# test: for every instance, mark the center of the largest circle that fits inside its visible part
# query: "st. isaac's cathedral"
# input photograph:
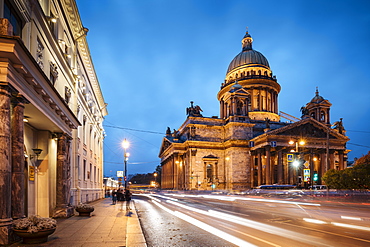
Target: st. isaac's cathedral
(249, 145)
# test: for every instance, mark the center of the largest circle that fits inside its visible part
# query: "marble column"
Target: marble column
(63, 183)
(17, 132)
(5, 165)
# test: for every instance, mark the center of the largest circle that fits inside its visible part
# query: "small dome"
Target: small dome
(317, 98)
(248, 55)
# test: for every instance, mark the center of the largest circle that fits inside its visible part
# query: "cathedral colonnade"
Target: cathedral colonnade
(277, 165)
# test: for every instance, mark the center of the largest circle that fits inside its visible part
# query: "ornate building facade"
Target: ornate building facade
(248, 145)
(51, 112)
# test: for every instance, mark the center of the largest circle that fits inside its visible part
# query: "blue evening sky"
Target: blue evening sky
(153, 57)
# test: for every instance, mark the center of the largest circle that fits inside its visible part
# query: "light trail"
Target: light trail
(350, 218)
(314, 221)
(233, 198)
(248, 223)
(230, 238)
(364, 228)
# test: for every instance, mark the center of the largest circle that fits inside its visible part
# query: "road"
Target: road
(224, 220)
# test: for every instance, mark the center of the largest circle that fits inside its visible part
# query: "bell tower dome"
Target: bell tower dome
(257, 89)
(319, 108)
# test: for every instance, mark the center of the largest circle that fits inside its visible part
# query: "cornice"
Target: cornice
(79, 36)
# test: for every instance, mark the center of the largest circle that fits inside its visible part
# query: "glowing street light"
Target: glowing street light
(125, 145)
(297, 162)
(155, 177)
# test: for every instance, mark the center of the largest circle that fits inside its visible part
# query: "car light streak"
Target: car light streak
(233, 198)
(314, 221)
(251, 236)
(165, 197)
(364, 228)
(245, 222)
(278, 201)
(350, 218)
(206, 227)
(152, 198)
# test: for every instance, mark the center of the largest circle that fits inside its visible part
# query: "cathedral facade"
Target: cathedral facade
(249, 145)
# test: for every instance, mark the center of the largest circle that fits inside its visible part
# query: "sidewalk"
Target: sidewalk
(109, 225)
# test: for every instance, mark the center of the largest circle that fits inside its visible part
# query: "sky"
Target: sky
(152, 57)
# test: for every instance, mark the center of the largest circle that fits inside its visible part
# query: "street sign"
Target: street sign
(273, 144)
(251, 144)
(120, 174)
(290, 157)
(306, 164)
(306, 175)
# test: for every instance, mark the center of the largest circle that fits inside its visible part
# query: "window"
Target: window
(78, 167)
(322, 116)
(12, 16)
(84, 170)
(209, 173)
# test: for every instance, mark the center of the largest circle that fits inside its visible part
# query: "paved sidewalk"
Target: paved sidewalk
(109, 225)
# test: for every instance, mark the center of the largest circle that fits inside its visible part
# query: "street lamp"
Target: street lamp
(125, 145)
(297, 162)
(155, 178)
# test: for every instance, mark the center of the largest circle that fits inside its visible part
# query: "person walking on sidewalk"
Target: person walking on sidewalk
(114, 197)
(128, 199)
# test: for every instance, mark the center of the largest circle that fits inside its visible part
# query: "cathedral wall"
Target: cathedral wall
(238, 168)
(238, 132)
(208, 133)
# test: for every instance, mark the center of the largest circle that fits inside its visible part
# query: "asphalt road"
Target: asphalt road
(223, 220)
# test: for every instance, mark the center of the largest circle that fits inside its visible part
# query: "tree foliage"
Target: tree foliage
(354, 178)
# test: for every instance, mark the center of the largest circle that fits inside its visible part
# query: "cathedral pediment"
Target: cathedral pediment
(165, 144)
(241, 91)
(308, 127)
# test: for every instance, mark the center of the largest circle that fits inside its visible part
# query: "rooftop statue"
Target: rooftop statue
(338, 125)
(194, 111)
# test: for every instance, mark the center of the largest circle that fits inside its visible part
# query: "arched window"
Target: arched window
(322, 116)
(239, 108)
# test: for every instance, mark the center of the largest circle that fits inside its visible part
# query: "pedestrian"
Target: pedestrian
(114, 197)
(128, 199)
(120, 195)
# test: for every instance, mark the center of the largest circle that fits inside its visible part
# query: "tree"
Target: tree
(357, 177)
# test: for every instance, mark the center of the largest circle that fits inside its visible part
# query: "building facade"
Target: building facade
(51, 112)
(249, 145)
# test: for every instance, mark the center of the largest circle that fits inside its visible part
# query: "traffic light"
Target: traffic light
(315, 176)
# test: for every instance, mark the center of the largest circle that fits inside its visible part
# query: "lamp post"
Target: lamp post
(125, 145)
(296, 162)
(155, 179)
